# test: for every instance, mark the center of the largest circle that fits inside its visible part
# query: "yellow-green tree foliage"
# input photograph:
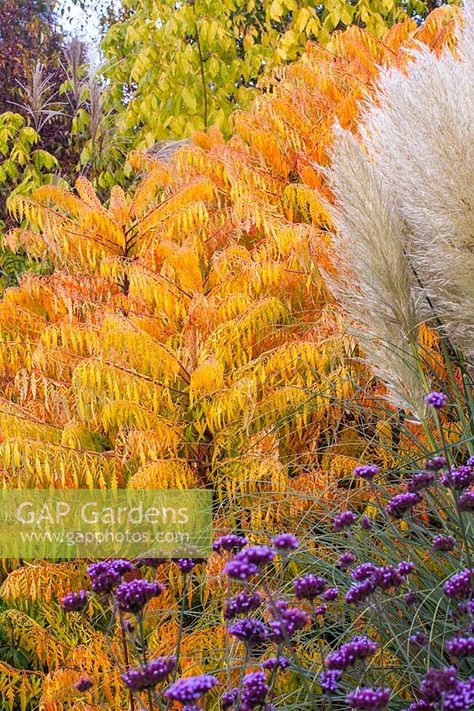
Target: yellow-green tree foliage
(173, 67)
(186, 339)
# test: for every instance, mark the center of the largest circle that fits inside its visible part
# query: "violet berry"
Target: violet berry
(436, 399)
(364, 699)
(443, 543)
(402, 503)
(250, 631)
(229, 542)
(344, 519)
(83, 684)
(461, 646)
(309, 586)
(191, 688)
(149, 675)
(241, 604)
(366, 471)
(285, 542)
(74, 601)
(132, 596)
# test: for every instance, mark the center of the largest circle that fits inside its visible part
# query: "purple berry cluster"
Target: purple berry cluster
(241, 604)
(344, 519)
(249, 630)
(436, 399)
(132, 596)
(248, 562)
(365, 699)
(369, 577)
(75, 601)
(357, 649)
(400, 504)
(149, 675)
(191, 688)
(229, 542)
(107, 574)
(285, 542)
(309, 586)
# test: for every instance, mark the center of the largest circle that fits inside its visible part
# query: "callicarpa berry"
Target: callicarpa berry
(366, 471)
(250, 631)
(363, 571)
(256, 555)
(466, 501)
(83, 684)
(420, 706)
(106, 575)
(75, 601)
(461, 697)
(346, 560)
(254, 690)
(460, 585)
(361, 591)
(285, 542)
(402, 504)
(460, 646)
(289, 621)
(364, 699)
(458, 478)
(330, 594)
(242, 603)
(149, 675)
(132, 596)
(191, 688)
(186, 565)
(279, 662)
(443, 543)
(436, 463)
(357, 649)
(343, 520)
(328, 680)
(228, 698)
(436, 682)
(240, 570)
(437, 399)
(309, 586)
(420, 481)
(411, 598)
(229, 542)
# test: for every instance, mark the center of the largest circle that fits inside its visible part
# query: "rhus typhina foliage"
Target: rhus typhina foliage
(187, 338)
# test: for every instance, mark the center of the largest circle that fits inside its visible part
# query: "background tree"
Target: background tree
(173, 67)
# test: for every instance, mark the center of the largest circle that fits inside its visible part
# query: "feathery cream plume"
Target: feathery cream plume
(419, 131)
(373, 279)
